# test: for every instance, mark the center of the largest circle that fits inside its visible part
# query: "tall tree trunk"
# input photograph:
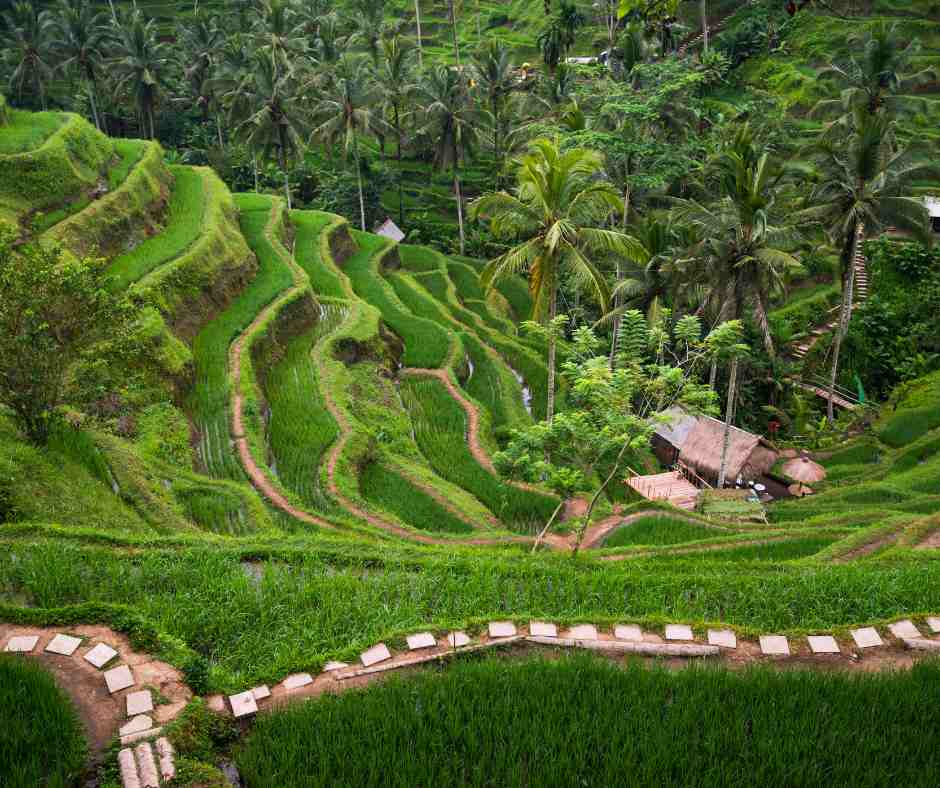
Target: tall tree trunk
(703, 8)
(418, 23)
(760, 315)
(218, 128)
(616, 336)
(550, 396)
(453, 22)
(713, 374)
(362, 202)
(459, 210)
(254, 164)
(401, 196)
(286, 177)
(844, 318)
(729, 416)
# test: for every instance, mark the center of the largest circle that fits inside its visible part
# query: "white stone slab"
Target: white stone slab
(374, 655)
(867, 637)
(147, 766)
(628, 632)
(723, 638)
(243, 704)
(934, 623)
(167, 760)
(119, 678)
(904, 630)
(458, 639)
(774, 646)
(502, 629)
(543, 629)
(421, 640)
(583, 632)
(128, 768)
(135, 737)
(297, 680)
(679, 632)
(100, 655)
(140, 702)
(139, 723)
(64, 645)
(823, 644)
(261, 692)
(329, 667)
(22, 644)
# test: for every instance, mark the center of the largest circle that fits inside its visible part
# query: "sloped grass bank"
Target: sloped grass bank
(583, 721)
(658, 530)
(41, 736)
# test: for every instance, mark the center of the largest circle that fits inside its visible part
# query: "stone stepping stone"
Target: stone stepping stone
(243, 704)
(334, 665)
(867, 637)
(934, 623)
(140, 702)
(374, 655)
(216, 703)
(128, 767)
(723, 638)
(502, 629)
(147, 766)
(65, 645)
(421, 640)
(774, 646)
(542, 629)
(904, 630)
(261, 692)
(140, 723)
(583, 632)
(296, 681)
(100, 655)
(823, 644)
(22, 644)
(458, 639)
(167, 759)
(118, 679)
(628, 632)
(140, 736)
(679, 632)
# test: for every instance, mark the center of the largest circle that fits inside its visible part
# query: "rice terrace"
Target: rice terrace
(421, 392)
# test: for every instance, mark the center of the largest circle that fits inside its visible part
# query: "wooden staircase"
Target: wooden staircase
(671, 487)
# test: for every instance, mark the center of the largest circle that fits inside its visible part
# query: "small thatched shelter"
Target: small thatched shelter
(670, 436)
(749, 455)
(804, 470)
(388, 229)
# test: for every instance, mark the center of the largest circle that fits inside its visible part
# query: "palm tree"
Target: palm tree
(418, 25)
(345, 111)
(452, 14)
(395, 79)
(723, 343)
(551, 43)
(278, 33)
(570, 19)
(369, 22)
(78, 37)
(559, 198)
(200, 40)
(865, 186)
(494, 74)
(742, 235)
(140, 66)
(275, 119)
(453, 122)
(26, 42)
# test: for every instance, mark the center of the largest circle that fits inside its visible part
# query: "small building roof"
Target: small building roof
(746, 455)
(676, 427)
(389, 229)
(933, 206)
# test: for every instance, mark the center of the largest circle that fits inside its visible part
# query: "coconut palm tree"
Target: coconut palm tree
(78, 37)
(559, 199)
(141, 65)
(369, 22)
(742, 236)
(345, 111)
(278, 33)
(200, 41)
(395, 80)
(865, 186)
(26, 44)
(493, 71)
(275, 119)
(451, 120)
(551, 43)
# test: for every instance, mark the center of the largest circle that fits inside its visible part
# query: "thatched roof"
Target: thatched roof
(677, 426)
(747, 456)
(803, 469)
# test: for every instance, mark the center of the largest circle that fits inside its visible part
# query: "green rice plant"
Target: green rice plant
(43, 221)
(214, 508)
(440, 431)
(657, 530)
(25, 131)
(310, 227)
(771, 551)
(183, 223)
(418, 259)
(389, 491)
(427, 345)
(128, 153)
(42, 741)
(603, 724)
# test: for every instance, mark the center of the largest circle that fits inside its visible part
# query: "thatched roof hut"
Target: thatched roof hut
(749, 455)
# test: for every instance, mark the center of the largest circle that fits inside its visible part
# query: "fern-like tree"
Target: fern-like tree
(24, 37)
(865, 186)
(452, 122)
(141, 66)
(723, 345)
(78, 35)
(560, 199)
(345, 111)
(397, 87)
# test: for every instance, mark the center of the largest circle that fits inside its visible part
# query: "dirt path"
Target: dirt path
(868, 549)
